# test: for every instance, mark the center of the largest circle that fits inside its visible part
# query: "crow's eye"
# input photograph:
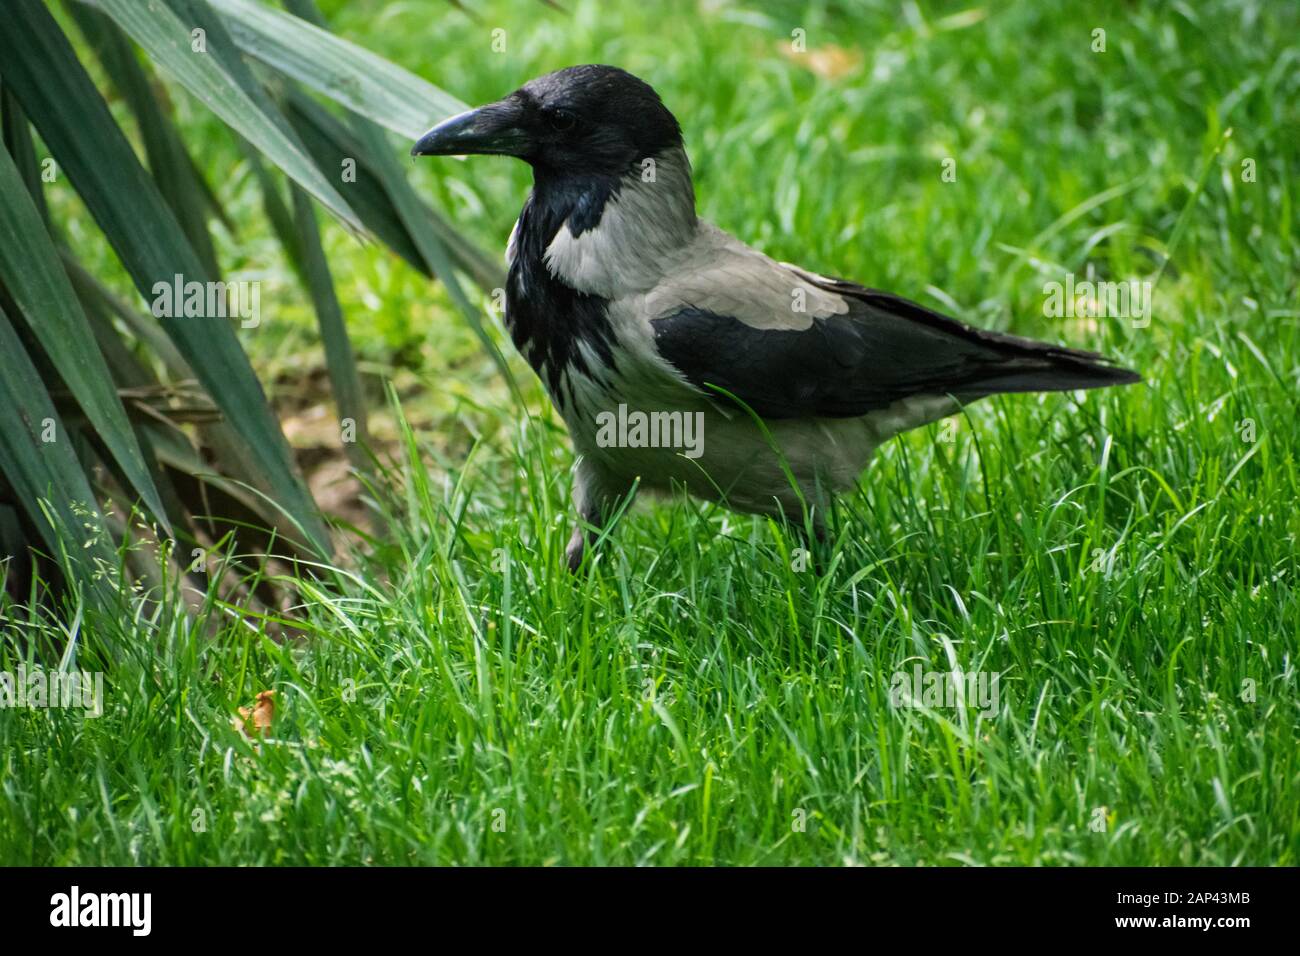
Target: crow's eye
(561, 120)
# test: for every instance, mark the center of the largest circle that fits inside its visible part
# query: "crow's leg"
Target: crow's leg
(803, 519)
(807, 517)
(816, 542)
(597, 495)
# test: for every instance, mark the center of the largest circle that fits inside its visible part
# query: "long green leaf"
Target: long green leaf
(30, 271)
(299, 234)
(175, 452)
(411, 212)
(178, 179)
(342, 365)
(35, 468)
(330, 142)
(167, 39)
(358, 79)
(74, 121)
(18, 140)
(144, 327)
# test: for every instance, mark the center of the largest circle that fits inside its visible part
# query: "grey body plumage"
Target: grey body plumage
(618, 295)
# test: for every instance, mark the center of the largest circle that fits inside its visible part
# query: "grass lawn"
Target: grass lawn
(1124, 562)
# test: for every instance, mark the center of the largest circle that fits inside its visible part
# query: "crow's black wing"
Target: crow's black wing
(880, 349)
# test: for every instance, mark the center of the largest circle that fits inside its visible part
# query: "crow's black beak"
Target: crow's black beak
(489, 129)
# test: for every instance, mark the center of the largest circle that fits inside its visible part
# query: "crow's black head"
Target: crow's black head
(584, 120)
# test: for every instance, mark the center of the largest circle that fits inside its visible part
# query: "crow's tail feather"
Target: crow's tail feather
(1057, 371)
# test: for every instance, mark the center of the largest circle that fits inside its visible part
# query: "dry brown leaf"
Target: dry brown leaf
(260, 715)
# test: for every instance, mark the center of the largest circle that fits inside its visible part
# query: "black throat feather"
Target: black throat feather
(549, 320)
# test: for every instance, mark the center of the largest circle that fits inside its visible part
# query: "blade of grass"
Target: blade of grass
(1184, 217)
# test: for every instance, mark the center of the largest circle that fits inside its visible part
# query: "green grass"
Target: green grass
(1126, 561)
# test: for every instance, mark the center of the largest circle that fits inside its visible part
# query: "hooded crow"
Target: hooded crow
(679, 356)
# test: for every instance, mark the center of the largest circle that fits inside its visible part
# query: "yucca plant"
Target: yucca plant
(152, 404)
